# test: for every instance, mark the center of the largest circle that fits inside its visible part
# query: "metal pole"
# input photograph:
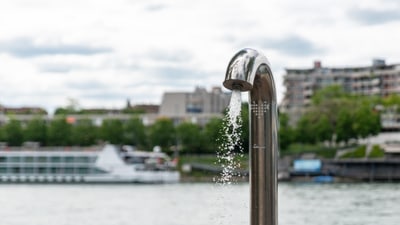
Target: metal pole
(249, 71)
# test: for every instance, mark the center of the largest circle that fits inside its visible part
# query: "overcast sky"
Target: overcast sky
(104, 52)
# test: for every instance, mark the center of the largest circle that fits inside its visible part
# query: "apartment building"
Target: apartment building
(378, 79)
(197, 106)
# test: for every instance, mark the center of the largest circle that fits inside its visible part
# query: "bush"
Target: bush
(376, 152)
(357, 153)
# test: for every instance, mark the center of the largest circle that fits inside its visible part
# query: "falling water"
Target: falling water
(230, 148)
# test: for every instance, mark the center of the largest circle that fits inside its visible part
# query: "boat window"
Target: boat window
(55, 159)
(137, 160)
(42, 170)
(3, 170)
(82, 159)
(14, 159)
(42, 159)
(29, 159)
(28, 170)
(69, 159)
(15, 169)
(69, 170)
(83, 170)
(3, 159)
(54, 170)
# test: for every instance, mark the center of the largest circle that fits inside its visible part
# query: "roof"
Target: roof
(342, 69)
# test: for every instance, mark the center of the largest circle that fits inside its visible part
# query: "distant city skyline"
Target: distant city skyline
(104, 52)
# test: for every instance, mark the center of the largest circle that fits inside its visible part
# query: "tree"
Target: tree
(36, 130)
(190, 137)
(285, 133)
(323, 128)
(13, 133)
(59, 132)
(329, 93)
(304, 132)
(334, 112)
(367, 120)
(2, 134)
(84, 133)
(391, 100)
(212, 134)
(162, 133)
(135, 133)
(344, 127)
(111, 130)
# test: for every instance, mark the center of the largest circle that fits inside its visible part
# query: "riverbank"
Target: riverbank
(205, 169)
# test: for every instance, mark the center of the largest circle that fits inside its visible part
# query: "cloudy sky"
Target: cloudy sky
(103, 52)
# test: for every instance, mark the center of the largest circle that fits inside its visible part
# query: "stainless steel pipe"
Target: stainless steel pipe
(249, 71)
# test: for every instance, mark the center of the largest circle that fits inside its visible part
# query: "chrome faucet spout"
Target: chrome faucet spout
(249, 70)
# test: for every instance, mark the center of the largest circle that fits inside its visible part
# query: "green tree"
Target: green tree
(59, 132)
(212, 134)
(135, 133)
(304, 132)
(285, 133)
(111, 130)
(344, 127)
(84, 133)
(36, 130)
(334, 112)
(367, 121)
(329, 95)
(190, 137)
(162, 133)
(391, 100)
(13, 133)
(323, 128)
(2, 134)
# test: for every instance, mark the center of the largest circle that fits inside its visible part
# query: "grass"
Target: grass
(376, 152)
(320, 150)
(356, 153)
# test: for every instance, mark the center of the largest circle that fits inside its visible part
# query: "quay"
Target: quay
(354, 170)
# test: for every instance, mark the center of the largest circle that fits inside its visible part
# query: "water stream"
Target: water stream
(230, 149)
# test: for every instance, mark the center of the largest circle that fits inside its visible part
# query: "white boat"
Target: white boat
(109, 164)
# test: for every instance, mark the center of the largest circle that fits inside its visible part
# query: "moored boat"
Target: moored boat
(109, 164)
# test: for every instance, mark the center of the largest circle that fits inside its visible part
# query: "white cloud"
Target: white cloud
(103, 52)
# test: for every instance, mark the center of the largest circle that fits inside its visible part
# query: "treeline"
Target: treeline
(188, 137)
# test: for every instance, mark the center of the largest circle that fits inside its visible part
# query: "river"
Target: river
(195, 204)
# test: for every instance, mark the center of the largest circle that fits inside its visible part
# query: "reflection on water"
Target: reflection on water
(195, 204)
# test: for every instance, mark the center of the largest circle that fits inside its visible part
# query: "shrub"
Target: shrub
(376, 152)
(357, 153)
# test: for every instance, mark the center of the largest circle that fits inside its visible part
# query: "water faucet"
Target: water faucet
(249, 70)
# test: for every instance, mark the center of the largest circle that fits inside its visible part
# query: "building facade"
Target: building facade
(379, 79)
(197, 106)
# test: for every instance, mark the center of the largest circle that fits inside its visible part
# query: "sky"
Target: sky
(101, 53)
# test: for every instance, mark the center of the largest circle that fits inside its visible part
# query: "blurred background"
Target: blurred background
(146, 77)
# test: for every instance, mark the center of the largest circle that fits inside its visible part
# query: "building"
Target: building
(22, 110)
(198, 106)
(379, 79)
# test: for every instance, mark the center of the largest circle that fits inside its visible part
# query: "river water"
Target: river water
(195, 204)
